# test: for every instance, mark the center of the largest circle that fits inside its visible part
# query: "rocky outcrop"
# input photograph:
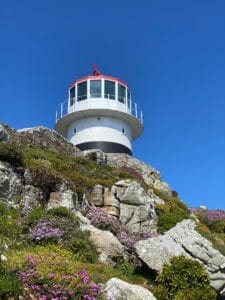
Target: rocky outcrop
(63, 197)
(106, 244)
(184, 240)
(11, 186)
(128, 201)
(150, 175)
(40, 137)
(116, 289)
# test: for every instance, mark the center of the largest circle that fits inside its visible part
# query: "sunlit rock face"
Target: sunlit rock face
(183, 239)
(128, 201)
(117, 289)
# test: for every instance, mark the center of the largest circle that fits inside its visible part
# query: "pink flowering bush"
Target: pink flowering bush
(105, 221)
(51, 287)
(210, 216)
(45, 230)
(214, 219)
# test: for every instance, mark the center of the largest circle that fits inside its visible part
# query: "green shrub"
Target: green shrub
(82, 248)
(34, 216)
(44, 175)
(9, 227)
(204, 293)
(9, 283)
(12, 153)
(62, 212)
(171, 212)
(217, 226)
(182, 274)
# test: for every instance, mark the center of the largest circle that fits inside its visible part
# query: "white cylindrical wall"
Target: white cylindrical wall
(100, 129)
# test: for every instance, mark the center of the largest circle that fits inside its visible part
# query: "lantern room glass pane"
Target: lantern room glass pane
(128, 98)
(95, 88)
(121, 93)
(72, 95)
(82, 91)
(109, 89)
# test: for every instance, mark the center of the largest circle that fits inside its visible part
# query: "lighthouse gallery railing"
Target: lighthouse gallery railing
(66, 108)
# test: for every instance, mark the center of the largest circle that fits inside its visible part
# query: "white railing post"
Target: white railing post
(56, 116)
(141, 117)
(135, 105)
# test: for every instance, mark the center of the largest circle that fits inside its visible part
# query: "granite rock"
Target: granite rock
(184, 240)
(117, 289)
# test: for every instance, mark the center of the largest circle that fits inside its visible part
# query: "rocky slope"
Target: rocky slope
(129, 212)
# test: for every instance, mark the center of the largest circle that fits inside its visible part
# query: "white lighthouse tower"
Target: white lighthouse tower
(99, 114)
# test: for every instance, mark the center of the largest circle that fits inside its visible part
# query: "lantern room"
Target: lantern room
(99, 114)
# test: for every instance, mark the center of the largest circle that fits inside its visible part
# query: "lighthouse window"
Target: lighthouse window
(128, 98)
(121, 93)
(95, 88)
(109, 89)
(82, 91)
(72, 96)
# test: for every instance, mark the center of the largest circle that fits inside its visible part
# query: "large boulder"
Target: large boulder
(116, 289)
(128, 201)
(106, 244)
(63, 197)
(184, 240)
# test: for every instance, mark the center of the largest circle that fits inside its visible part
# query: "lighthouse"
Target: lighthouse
(100, 114)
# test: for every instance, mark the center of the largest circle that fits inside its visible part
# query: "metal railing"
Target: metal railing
(83, 103)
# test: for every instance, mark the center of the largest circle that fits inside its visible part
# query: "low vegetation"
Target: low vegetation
(171, 212)
(46, 254)
(184, 279)
(212, 226)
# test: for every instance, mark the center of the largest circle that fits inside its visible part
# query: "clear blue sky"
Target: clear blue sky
(171, 53)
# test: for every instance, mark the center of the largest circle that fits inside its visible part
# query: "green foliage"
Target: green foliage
(204, 293)
(34, 216)
(81, 247)
(170, 213)
(183, 274)
(9, 283)
(9, 222)
(12, 153)
(62, 212)
(133, 272)
(60, 261)
(44, 175)
(80, 172)
(217, 239)
(217, 226)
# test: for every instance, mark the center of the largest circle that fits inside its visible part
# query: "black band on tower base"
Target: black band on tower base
(106, 147)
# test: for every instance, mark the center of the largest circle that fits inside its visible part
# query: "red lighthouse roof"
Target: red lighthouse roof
(98, 75)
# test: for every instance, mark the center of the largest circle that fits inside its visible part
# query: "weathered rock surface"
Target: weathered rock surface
(40, 137)
(64, 197)
(129, 202)
(11, 187)
(184, 240)
(106, 244)
(116, 289)
(151, 176)
(3, 133)
(126, 162)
